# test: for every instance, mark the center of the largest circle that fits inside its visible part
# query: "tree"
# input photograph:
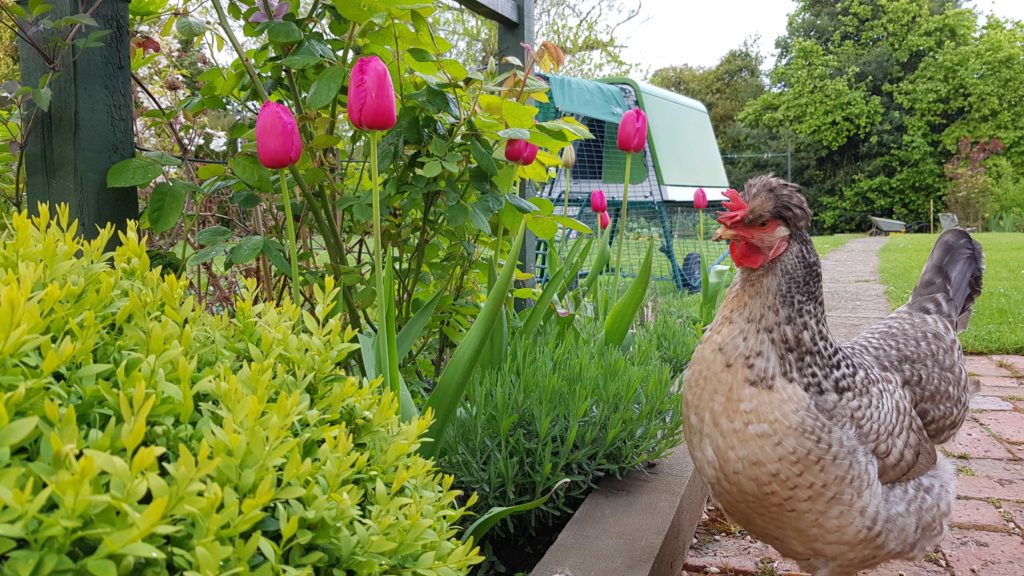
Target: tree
(585, 30)
(852, 77)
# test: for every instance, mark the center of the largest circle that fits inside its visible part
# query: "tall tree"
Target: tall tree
(585, 30)
(842, 81)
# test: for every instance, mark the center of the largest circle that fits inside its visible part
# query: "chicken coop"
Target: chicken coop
(681, 156)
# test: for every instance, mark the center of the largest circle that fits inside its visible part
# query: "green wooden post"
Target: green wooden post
(88, 127)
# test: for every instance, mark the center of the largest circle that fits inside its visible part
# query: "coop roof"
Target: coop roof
(682, 140)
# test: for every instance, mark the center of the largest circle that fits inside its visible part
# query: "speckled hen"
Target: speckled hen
(827, 450)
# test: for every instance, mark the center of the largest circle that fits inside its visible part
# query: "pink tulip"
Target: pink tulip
(700, 199)
(632, 131)
(278, 143)
(598, 203)
(520, 152)
(371, 96)
(604, 220)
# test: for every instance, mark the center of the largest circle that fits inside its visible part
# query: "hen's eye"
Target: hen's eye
(764, 224)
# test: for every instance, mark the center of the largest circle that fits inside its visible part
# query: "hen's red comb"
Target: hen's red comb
(737, 209)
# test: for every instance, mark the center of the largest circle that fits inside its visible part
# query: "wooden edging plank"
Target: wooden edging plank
(639, 525)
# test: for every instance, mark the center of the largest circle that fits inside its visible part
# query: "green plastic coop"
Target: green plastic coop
(681, 156)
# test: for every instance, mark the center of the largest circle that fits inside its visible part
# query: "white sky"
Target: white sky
(699, 32)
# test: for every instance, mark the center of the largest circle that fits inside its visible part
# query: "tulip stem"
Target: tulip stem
(290, 223)
(622, 227)
(378, 269)
(565, 229)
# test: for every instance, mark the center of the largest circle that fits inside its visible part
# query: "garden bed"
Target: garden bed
(640, 524)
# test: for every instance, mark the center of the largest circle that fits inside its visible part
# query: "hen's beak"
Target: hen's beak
(724, 233)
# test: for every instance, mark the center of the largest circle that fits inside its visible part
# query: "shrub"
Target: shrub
(140, 434)
(560, 406)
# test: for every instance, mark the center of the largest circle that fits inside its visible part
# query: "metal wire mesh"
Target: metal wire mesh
(673, 228)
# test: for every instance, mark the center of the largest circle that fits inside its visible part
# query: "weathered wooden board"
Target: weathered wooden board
(640, 525)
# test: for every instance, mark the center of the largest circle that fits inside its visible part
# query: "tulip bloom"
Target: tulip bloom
(632, 131)
(568, 157)
(371, 96)
(278, 143)
(598, 203)
(604, 220)
(520, 152)
(700, 199)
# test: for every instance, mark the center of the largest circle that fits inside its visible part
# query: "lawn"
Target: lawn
(826, 244)
(997, 326)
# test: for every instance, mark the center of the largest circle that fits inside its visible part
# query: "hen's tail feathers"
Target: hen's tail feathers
(951, 279)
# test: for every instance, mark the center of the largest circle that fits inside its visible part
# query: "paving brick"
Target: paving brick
(984, 366)
(1002, 479)
(1008, 393)
(1003, 380)
(895, 568)
(1016, 512)
(990, 403)
(1007, 425)
(973, 552)
(734, 552)
(977, 514)
(1015, 363)
(974, 441)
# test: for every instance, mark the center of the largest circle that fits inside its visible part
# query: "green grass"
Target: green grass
(826, 244)
(996, 326)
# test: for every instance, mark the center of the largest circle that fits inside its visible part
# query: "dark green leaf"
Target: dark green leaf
(133, 172)
(205, 255)
(163, 158)
(41, 96)
(483, 158)
(249, 170)
(302, 57)
(188, 27)
(284, 32)
(523, 206)
(325, 88)
(166, 204)
(246, 250)
(213, 235)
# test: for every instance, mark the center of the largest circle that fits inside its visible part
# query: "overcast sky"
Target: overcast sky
(699, 32)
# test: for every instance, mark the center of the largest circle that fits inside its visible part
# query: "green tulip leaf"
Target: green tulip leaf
(451, 386)
(622, 314)
(490, 518)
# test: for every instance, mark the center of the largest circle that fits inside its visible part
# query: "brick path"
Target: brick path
(985, 538)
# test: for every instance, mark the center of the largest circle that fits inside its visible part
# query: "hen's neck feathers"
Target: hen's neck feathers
(782, 302)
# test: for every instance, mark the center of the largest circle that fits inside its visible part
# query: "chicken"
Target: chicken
(827, 451)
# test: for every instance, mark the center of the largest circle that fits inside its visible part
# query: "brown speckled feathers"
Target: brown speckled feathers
(827, 450)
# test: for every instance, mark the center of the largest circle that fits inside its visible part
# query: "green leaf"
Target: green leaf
(420, 55)
(302, 57)
(518, 115)
(515, 133)
(483, 158)
(133, 172)
(41, 96)
(551, 288)
(572, 223)
(524, 206)
(544, 227)
(246, 250)
(601, 259)
(204, 255)
(213, 235)
(432, 169)
(207, 171)
(451, 386)
(101, 567)
(325, 88)
(17, 430)
(622, 314)
(284, 32)
(163, 158)
(415, 326)
(166, 204)
(249, 170)
(141, 550)
(490, 518)
(189, 27)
